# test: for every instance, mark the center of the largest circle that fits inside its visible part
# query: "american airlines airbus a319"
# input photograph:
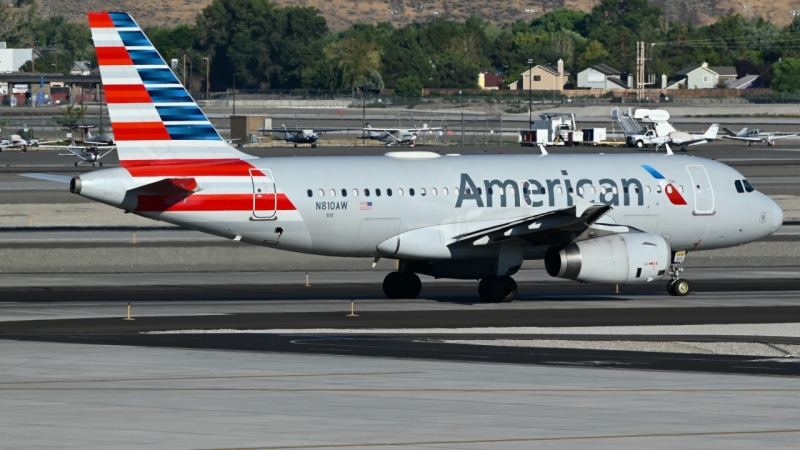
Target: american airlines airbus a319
(617, 219)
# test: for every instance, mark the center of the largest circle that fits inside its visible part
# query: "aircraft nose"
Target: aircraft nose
(777, 216)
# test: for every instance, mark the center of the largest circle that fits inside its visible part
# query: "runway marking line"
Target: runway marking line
(231, 377)
(491, 441)
(455, 391)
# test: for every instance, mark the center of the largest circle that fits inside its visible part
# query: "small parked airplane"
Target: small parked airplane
(17, 141)
(105, 138)
(755, 136)
(399, 136)
(299, 136)
(664, 133)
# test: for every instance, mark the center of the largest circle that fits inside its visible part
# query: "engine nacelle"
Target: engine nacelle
(615, 259)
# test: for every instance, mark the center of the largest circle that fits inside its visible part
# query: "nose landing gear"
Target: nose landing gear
(677, 287)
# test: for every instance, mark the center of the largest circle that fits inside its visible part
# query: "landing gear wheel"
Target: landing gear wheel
(101, 164)
(93, 164)
(313, 145)
(679, 288)
(76, 164)
(483, 288)
(402, 285)
(502, 289)
(295, 145)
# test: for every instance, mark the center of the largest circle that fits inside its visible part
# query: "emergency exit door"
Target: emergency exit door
(265, 198)
(703, 192)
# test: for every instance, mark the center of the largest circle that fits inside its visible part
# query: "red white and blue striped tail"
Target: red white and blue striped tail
(155, 120)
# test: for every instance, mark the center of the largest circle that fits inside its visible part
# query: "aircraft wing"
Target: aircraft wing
(774, 137)
(743, 138)
(314, 130)
(559, 226)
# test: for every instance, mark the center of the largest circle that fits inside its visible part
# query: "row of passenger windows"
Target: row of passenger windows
(743, 185)
(378, 192)
(525, 190)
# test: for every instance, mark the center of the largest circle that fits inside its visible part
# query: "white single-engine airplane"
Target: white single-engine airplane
(17, 141)
(755, 136)
(396, 136)
(610, 219)
(664, 133)
(299, 136)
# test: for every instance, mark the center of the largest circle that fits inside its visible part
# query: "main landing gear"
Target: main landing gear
(677, 287)
(402, 285)
(500, 289)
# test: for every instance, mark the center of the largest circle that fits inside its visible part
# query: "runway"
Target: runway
(231, 349)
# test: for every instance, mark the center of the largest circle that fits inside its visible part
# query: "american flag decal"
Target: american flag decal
(365, 206)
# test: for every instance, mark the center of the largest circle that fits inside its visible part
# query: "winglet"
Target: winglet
(544, 152)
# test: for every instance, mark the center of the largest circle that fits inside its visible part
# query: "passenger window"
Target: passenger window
(581, 190)
(455, 191)
(389, 192)
(559, 191)
(647, 189)
(500, 191)
(344, 192)
(491, 191)
(680, 188)
(433, 191)
(377, 192)
(366, 192)
(411, 191)
(321, 193)
(333, 192)
(747, 186)
(355, 192)
(594, 191)
(480, 191)
(421, 191)
(544, 191)
(400, 192)
(309, 193)
(444, 191)
(614, 190)
(467, 191)
(658, 189)
(739, 187)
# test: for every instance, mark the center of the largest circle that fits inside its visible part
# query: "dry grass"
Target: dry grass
(343, 13)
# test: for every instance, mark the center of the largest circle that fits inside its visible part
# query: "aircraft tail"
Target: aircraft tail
(729, 132)
(711, 133)
(155, 121)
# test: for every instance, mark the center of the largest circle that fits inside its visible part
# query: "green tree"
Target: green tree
(355, 59)
(787, 75)
(595, 53)
(408, 86)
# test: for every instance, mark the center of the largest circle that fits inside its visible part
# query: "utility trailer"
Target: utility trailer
(560, 129)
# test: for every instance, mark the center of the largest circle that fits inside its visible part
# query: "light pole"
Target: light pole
(530, 92)
(208, 62)
(393, 12)
(795, 13)
(435, 13)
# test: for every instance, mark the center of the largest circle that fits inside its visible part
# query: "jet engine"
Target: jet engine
(614, 259)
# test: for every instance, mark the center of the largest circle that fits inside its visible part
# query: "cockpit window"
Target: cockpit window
(739, 187)
(747, 186)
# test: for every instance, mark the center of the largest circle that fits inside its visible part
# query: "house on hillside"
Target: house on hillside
(601, 76)
(81, 68)
(700, 77)
(489, 80)
(542, 77)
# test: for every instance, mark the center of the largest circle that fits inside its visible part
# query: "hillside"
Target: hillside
(342, 13)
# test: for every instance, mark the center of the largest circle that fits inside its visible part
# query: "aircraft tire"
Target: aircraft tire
(313, 145)
(76, 164)
(402, 285)
(503, 289)
(101, 164)
(679, 288)
(483, 288)
(391, 284)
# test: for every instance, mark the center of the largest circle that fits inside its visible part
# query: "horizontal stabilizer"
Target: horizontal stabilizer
(170, 186)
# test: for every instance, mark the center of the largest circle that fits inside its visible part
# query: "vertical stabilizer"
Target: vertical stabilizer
(155, 120)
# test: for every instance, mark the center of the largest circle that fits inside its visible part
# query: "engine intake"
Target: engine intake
(615, 259)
